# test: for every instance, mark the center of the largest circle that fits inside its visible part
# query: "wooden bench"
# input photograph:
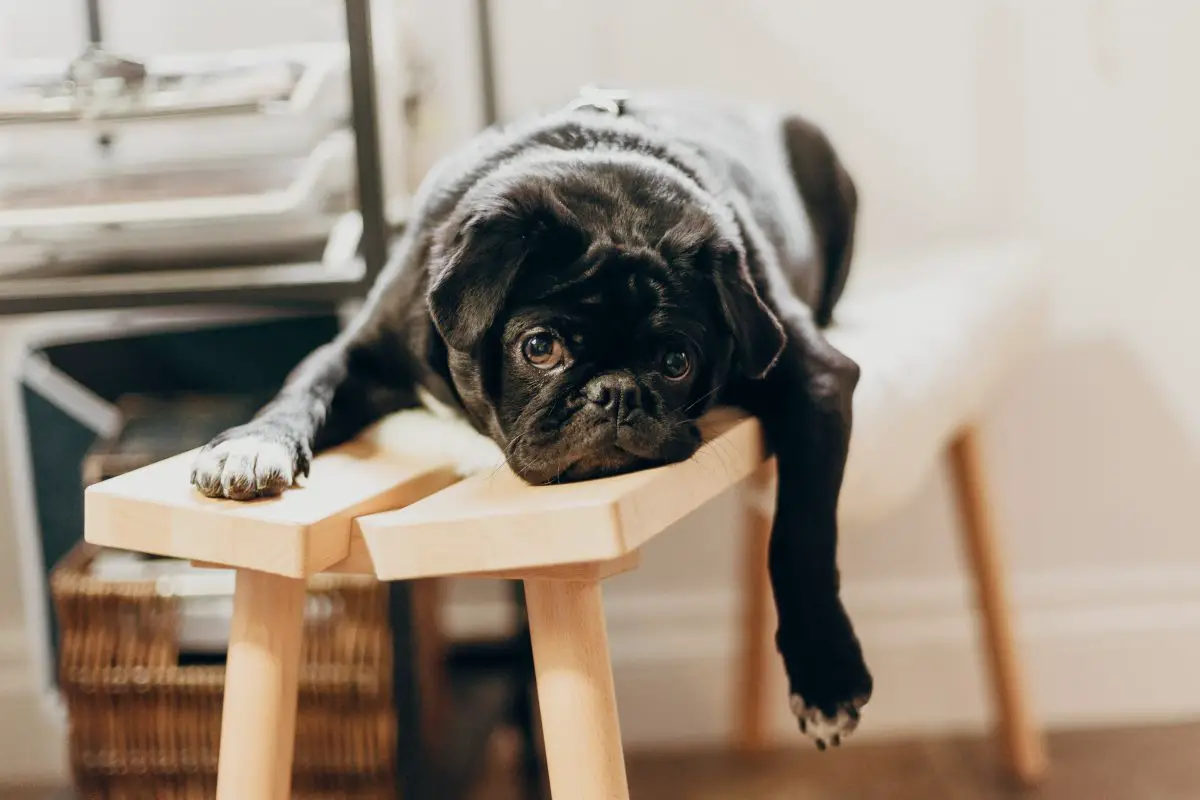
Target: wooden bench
(365, 511)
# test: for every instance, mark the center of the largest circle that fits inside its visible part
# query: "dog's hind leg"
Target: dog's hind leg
(831, 202)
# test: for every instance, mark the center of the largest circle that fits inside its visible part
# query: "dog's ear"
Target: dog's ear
(758, 336)
(473, 276)
(474, 272)
(831, 201)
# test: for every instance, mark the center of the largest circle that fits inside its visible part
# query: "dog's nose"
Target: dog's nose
(615, 392)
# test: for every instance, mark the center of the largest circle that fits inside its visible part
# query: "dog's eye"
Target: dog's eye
(676, 365)
(543, 350)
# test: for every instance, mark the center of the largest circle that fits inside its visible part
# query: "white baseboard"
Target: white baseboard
(1099, 647)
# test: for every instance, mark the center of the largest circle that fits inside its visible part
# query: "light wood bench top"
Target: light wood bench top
(363, 510)
(302, 532)
(495, 522)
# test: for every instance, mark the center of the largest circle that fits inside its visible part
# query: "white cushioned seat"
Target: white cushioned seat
(933, 334)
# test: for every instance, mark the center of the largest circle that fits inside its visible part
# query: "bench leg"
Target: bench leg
(1024, 748)
(258, 724)
(575, 690)
(756, 643)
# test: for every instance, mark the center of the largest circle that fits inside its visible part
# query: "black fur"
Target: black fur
(679, 233)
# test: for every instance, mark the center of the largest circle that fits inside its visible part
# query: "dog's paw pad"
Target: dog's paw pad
(824, 730)
(245, 467)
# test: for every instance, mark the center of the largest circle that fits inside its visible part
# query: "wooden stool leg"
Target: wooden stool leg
(750, 732)
(1022, 740)
(575, 690)
(258, 724)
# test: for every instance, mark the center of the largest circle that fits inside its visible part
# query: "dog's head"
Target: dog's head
(592, 310)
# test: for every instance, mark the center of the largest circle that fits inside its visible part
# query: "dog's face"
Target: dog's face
(592, 313)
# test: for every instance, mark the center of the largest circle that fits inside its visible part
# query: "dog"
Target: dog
(584, 285)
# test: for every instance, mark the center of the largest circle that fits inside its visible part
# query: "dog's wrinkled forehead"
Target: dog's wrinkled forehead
(550, 226)
(634, 280)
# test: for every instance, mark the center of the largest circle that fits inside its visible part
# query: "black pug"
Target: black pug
(583, 286)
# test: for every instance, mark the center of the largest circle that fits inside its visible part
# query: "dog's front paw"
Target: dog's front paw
(827, 731)
(829, 680)
(247, 463)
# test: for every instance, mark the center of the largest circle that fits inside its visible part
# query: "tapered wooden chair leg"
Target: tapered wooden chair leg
(756, 647)
(1021, 738)
(258, 725)
(575, 690)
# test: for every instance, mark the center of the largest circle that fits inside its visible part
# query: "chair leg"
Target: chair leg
(1024, 747)
(258, 725)
(750, 732)
(575, 690)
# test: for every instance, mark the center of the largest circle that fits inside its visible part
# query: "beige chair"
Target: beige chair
(367, 510)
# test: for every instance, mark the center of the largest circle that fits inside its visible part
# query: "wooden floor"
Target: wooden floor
(1130, 764)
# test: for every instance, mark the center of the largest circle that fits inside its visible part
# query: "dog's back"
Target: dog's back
(789, 175)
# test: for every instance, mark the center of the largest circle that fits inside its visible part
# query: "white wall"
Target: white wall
(1073, 122)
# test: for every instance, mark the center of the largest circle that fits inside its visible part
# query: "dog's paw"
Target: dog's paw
(824, 730)
(249, 465)
(828, 680)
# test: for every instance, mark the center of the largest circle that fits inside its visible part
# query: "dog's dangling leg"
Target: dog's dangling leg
(804, 404)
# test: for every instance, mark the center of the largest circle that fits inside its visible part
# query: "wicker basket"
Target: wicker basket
(144, 727)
